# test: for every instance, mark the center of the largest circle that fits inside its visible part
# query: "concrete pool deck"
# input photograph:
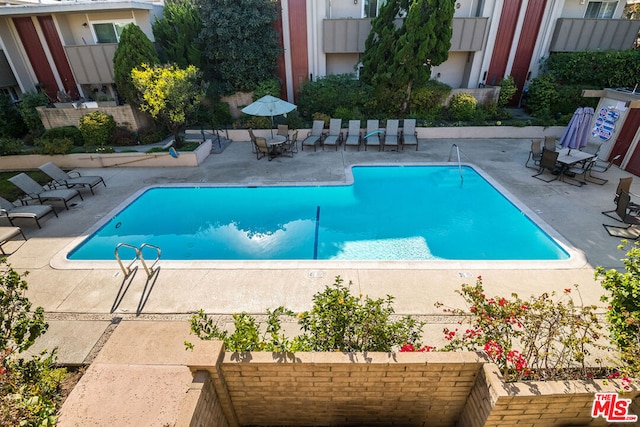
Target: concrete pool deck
(83, 305)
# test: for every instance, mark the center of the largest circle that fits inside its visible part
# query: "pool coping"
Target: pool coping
(577, 258)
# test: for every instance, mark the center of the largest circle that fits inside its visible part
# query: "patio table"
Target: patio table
(568, 157)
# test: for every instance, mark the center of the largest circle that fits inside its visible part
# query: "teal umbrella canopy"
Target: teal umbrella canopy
(268, 106)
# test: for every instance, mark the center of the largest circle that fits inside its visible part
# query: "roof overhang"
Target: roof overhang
(75, 7)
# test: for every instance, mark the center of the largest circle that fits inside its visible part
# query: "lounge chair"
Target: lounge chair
(353, 135)
(8, 233)
(252, 138)
(391, 136)
(372, 137)
(315, 135)
(35, 212)
(409, 134)
(335, 136)
(290, 146)
(535, 154)
(35, 191)
(62, 178)
(631, 220)
(624, 185)
(548, 161)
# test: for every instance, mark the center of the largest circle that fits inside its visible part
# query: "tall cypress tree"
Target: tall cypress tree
(177, 31)
(399, 57)
(134, 49)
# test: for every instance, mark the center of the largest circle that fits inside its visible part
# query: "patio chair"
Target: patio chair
(283, 130)
(353, 135)
(592, 148)
(624, 185)
(263, 149)
(630, 219)
(391, 136)
(372, 137)
(290, 147)
(600, 166)
(315, 135)
(409, 134)
(35, 212)
(8, 233)
(35, 191)
(535, 154)
(335, 136)
(252, 138)
(550, 143)
(548, 161)
(72, 179)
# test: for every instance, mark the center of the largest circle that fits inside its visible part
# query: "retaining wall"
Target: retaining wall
(123, 115)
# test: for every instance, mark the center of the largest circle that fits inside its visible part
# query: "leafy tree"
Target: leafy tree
(169, 94)
(28, 103)
(176, 33)
(399, 58)
(11, 123)
(240, 47)
(134, 49)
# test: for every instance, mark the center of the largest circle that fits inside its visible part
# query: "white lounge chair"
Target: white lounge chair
(35, 191)
(335, 136)
(372, 137)
(61, 178)
(409, 134)
(8, 233)
(315, 135)
(391, 137)
(353, 135)
(35, 212)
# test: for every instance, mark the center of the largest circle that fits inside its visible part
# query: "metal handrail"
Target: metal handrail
(126, 270)
(459, 163)
(149, 270)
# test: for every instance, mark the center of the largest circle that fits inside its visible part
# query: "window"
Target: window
(601, 9)
(109, 32)
(370, 8)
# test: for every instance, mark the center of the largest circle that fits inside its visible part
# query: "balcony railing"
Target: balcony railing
(572, 35)
(92, 64)
(349, 35)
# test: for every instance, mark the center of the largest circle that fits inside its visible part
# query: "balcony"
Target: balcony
(573, 35)
(92, 64)
(349, 35)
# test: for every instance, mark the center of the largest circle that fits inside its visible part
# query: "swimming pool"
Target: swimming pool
(388, 213)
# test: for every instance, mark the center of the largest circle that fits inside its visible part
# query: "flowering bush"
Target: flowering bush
(538, 338)
(623, 312)
(338, 321)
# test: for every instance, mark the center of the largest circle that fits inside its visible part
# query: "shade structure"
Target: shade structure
(269, 106)
(577, 132)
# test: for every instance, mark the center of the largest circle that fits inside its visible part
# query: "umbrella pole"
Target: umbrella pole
(271, 127)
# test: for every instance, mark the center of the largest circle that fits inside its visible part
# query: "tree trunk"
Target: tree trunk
(405, 104)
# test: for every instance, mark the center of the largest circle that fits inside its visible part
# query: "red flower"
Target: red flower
(407, 348)
(501, 302)
(567, 290)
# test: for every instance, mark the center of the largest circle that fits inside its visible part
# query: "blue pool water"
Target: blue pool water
(388, 213)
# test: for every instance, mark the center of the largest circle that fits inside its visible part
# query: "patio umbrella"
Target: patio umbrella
(577, 131)
(268, 106)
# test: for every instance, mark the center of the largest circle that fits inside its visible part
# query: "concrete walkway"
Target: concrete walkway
(81, 304)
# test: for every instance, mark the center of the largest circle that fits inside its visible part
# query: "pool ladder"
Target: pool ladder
(459, 163)
(127, 269)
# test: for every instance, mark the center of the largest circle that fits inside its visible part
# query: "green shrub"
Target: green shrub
(9, 146)
(11, 123)
(326, 94)
(97, 128)
(462, 106)
(54, 145)
(122, 136)
(71, 132)
(430, 97)
(151, 135)
(324, 117)
(542, 96)
(338, 321)
(507, 90)
(267, 87)
(28, 103)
